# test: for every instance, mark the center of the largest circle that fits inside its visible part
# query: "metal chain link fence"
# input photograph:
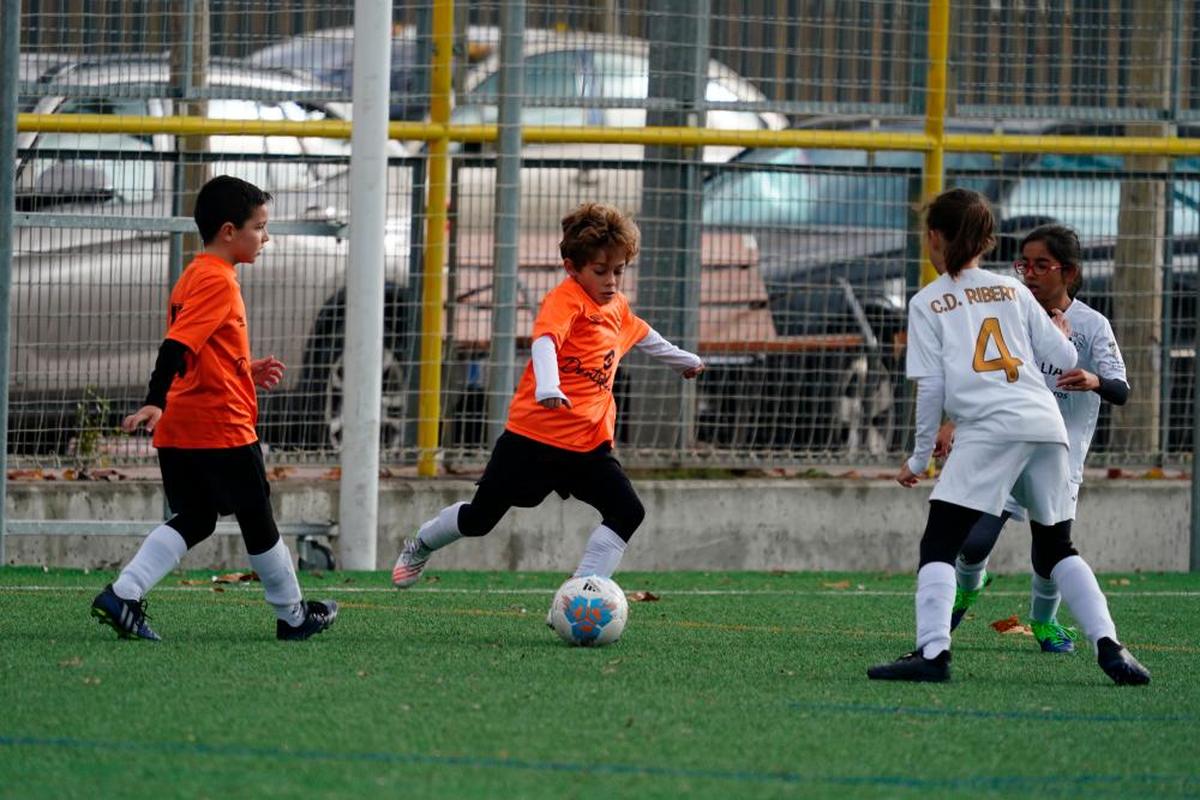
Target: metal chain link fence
(786, 267)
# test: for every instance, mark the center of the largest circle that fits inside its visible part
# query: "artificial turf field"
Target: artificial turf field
(730, 685)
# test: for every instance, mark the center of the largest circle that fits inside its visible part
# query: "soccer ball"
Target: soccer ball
(589, 612)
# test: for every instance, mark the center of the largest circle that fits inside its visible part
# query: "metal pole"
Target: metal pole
(362, 353)
(935, 112)
(432, 315)
(506, 218)
(8, 160)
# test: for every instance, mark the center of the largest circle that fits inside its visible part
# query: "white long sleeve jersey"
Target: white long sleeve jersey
(986, 335)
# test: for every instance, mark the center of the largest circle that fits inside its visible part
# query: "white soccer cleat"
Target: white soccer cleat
(410, 564)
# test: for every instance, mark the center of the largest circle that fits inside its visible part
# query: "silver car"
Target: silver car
(89, 297)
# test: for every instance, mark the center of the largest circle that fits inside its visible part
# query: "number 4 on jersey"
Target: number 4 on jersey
(990, 331)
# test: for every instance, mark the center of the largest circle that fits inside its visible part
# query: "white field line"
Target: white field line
(333, 587)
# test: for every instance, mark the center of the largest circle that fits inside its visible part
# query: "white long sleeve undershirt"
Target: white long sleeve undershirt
(658, 348)
(545, 369)
(931, 397)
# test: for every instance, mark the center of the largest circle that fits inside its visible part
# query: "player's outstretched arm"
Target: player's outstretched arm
(688, 365)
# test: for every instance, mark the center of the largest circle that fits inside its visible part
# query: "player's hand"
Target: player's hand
(555, 402)
(692, 372)
(146, 415)
(943, 443)
(1060, 321)
(266, 372)
(1078, 380)
(906, 477)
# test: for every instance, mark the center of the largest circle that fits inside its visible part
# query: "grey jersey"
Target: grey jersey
(1093, 338)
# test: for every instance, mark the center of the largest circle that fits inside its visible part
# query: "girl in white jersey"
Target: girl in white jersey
(975, 340)
(1050, 265)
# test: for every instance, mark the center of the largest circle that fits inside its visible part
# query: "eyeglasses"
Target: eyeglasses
(1036, 267)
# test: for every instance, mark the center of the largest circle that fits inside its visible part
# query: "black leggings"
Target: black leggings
(983, 537)
(950, 525)
(523, 472)
(259, 531)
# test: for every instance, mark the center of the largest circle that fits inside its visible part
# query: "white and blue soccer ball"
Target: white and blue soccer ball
(589, 611)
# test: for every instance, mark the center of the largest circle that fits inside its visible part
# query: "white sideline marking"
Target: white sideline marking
(228, 587)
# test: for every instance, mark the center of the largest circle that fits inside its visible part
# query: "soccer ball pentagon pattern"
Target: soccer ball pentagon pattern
(589, 611)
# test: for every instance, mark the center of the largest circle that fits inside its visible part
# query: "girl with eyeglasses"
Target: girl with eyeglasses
(1050, 267)
(976, 341)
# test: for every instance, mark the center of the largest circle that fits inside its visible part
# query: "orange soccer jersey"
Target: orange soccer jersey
(213, 404)
(590, 340)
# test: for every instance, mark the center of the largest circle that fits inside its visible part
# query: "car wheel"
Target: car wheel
(865, 407)
(393, 406)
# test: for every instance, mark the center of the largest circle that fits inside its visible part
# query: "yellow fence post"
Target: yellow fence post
(933, 177)
(429, 408)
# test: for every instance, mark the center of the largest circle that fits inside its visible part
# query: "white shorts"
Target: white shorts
(982, 475)
(1017, 513)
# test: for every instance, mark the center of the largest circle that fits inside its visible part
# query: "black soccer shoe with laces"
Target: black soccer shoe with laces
(913, 667)
(1119, 664)
(126, 617)
(317, 617)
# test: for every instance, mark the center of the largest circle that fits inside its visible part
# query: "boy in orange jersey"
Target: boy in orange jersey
(560, 427)
(202, 409)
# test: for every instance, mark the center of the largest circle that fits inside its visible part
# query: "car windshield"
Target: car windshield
(825, 188)
(1068, 189)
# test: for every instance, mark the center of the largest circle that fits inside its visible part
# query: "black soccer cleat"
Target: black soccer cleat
(1119, 664)
(317, 617)
(913, 667)
(126, 617)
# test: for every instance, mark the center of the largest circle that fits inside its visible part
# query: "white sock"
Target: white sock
(935, 600)
(969, 576)
(1083, 597)
(158, 555)
(442, 529)
(1043, 598)
(280, 586)
(602, 555)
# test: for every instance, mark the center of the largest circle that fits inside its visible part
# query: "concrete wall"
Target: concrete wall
(690, 525)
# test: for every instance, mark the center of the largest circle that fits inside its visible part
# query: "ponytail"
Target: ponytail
(965, 221)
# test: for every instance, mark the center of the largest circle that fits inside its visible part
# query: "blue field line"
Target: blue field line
(1008, 782)
(974, 713)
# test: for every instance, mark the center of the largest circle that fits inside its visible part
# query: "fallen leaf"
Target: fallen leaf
(73, 661)
(836, 585)
(1118, 582)
(332, 474)
(91, 680)
(235, 577)
(218, 588)
(194, 582)
(432, 578)
(25, 474)
(1114, 473)
(1012, 625)
(362, 673)
(642, 596)
(1155, 474)
(278, 473)
(69, 474)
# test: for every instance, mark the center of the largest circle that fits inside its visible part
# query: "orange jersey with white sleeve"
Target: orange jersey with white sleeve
(213, 404)
(589, 342)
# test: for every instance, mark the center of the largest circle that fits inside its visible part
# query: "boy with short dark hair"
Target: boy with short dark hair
(202, 409)
(562, 418)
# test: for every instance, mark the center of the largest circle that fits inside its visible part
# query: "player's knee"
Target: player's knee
(936, 547)
(626, 521)
(194, 526)
(1051, 544)
(474, 522)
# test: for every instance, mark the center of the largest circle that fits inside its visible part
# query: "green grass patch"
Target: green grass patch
(730, 685)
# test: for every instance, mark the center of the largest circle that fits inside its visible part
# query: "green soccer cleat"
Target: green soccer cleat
(965, 598)
(1053, 637)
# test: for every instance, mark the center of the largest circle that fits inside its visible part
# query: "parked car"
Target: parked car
(89, 302)
(574, 78)
(328, 55)
(836, 230)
